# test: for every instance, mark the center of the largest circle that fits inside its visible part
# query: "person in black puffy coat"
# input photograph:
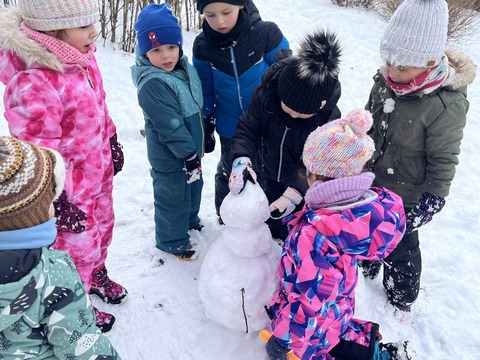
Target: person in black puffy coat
(296, 95)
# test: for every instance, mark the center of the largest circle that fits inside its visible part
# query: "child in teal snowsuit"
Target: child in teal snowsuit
(170, 95)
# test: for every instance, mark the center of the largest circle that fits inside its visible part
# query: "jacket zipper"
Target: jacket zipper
(281, 153)
(235, 71)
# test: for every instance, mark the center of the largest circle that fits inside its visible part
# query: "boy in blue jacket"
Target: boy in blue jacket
(169, 93)
(231, 54)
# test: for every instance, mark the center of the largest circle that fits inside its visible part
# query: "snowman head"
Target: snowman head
(246, 210)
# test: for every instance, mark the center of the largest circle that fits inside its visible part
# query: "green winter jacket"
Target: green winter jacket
(48, 315)
(417, 137)
(172, 106)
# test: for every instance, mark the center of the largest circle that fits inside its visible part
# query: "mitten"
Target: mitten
(117, 154)
(283, 54)
(241, 172)
(275, 351)
(209, 135)
(68, 215)
(422, 213)
(370, 268)
(285, 204)
(193, 168)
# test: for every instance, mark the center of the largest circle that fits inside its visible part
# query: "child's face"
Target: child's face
(294, 114)
(221, 17)
(403, 74)
(80, 38)
(164, 57)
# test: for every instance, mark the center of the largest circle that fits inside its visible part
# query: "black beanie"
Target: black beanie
(308, 82)
(202, 3)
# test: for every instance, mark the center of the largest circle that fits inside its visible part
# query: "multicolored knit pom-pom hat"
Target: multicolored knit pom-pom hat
(341, 147)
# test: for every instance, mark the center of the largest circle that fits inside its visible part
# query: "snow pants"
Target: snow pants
(402, 270)
(224, 168)
(176, 209)
(88, 249)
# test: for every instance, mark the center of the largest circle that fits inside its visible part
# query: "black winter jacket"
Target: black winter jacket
(271, 138)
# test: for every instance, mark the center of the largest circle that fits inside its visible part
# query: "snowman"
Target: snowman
(239, 273)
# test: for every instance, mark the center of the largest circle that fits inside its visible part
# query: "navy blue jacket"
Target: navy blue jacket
(229, 75)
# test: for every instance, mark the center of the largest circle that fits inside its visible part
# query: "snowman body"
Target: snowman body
(239, 273)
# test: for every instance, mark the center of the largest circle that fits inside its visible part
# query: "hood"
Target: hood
(18, 297)
(143, 68)
(464, 68)
(252, 12)
(17, 51)
(368, 230)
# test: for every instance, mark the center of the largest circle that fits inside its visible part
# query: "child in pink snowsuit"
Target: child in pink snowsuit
(344, 220)
(54, 98)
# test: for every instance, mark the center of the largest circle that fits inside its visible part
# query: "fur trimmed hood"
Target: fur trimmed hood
(18, 49)
(464, 68)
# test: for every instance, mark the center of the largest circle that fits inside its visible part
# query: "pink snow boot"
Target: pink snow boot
(103, 320)
(106, 289)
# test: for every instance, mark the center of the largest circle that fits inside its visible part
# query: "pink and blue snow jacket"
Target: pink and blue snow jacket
(314, 307)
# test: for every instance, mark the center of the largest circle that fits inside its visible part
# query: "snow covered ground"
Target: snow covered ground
(164, 317)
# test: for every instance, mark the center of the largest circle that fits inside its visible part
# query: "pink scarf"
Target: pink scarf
(426, 81)
(338, 191)
(66, 53)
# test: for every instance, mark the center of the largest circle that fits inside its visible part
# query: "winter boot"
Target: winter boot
(103, 320)
(370, 269)
(189, 254)
(106, 289)
(397, 351)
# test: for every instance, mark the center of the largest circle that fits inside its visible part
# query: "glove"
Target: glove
(283, 54)
(209, 135)
(285, 204)
(422, 213)
(117, 154)
(193, 168)
(241, 172)
(68, 215)
(275, 351)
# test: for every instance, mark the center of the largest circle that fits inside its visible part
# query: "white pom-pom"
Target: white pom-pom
(359, 120)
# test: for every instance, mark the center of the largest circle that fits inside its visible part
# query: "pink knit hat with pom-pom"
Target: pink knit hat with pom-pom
(341, 147)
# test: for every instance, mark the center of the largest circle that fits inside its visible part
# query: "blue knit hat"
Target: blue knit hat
(156, 26)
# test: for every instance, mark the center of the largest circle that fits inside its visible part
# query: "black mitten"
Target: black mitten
(68, 215)
(193, 168)
(275, 351)
(117, 154)
(209, 122)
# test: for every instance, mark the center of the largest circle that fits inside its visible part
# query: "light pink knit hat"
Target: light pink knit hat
(46, 15)
(341, 147)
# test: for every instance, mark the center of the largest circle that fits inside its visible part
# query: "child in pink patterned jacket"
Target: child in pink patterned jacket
(344, 220)
(54, 98)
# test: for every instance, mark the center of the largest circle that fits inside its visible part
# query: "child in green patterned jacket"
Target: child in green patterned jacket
(45, 311)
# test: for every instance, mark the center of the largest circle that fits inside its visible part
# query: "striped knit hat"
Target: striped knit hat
(341, 147)
(47, 15)
(29, 182)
